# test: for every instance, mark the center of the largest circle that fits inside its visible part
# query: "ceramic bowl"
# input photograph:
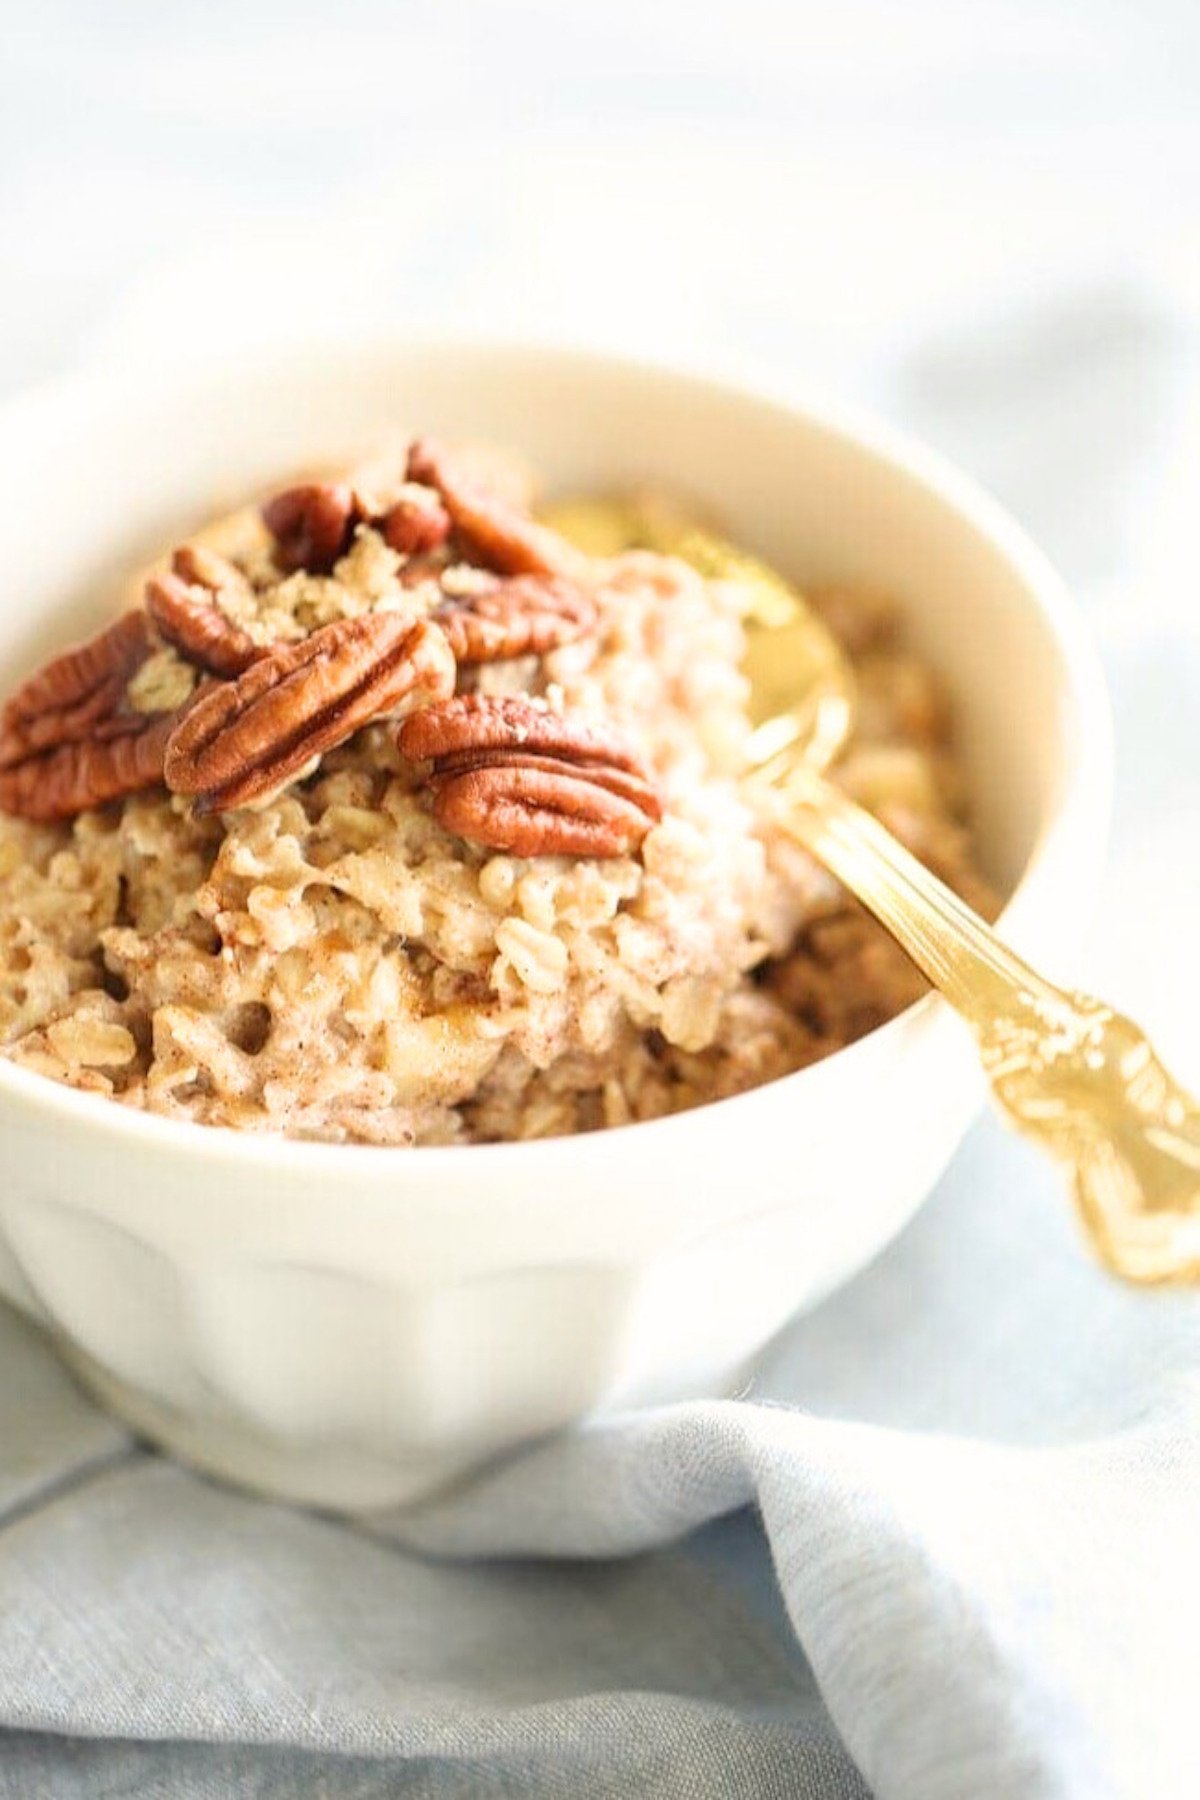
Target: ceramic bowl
(355, 1327)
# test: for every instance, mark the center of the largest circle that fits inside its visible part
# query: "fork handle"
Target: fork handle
(1067, 1070)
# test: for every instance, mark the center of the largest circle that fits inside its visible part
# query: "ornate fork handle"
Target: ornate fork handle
(1069, 1071)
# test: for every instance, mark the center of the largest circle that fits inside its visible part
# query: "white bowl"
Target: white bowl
(355, 1326)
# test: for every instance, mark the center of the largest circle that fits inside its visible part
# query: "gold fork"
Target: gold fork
(1066, 1069)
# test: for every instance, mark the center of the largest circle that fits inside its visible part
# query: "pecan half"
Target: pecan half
(62, 702)
(184, 607)
(125, 755)
(250, 737)
(499, 533)
(67, 739)
(311, 524)
(202, 566)
(527, 615)
(517, 777)
(417, 524)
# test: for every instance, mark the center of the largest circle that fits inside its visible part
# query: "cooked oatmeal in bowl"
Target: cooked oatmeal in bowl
(387, 815)
(392, 818)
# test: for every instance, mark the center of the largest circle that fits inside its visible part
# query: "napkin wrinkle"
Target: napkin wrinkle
(63, 1486)
(889, 1544)
(940, 1602)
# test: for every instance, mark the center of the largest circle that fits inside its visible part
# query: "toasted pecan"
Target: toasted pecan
(312, 524)
(520, 778)
(495, 530)
(183, 605)
(250, 737)
(525, 615)
(68, 739)
(62, 702)
(124, 757)
(417, 524)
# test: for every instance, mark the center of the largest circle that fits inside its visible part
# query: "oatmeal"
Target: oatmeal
(390, 816)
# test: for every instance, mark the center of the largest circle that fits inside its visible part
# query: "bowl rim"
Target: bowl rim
(54, 1104)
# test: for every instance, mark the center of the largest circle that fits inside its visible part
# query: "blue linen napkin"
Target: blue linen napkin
(986, 1585)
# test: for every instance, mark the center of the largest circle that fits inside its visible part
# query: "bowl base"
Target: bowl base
(333, 1476)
